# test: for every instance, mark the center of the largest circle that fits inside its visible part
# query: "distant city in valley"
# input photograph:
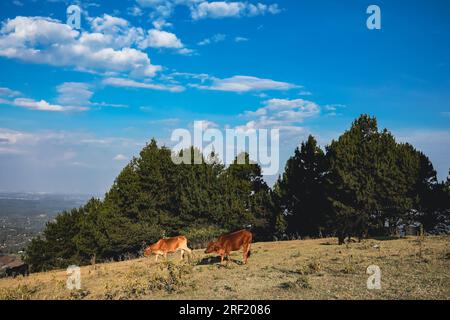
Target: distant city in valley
(24, 215)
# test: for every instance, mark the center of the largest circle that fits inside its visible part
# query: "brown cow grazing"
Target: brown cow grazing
(231, 242)
(164, 246)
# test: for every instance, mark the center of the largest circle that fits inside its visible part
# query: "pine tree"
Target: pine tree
(301, 190)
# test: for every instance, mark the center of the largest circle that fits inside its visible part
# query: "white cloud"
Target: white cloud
(135, 11)
(240, 39)
(121, 82)
(120, 157)
(106, 104)
(72, 97)
(108, 24)
(80, 94)
(214, 39)
(74, 93)
(222, 9)
(245, 84)
(43, 105)
(161, 10)
(48, 41)
(6, 92)
(61, 161)
(117, 32)
(205, 124)
(202, 77)
(282, 114)
(161, 39)
(12, 137)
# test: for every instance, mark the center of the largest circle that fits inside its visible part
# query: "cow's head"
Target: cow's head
(213, 247)
(148, 251)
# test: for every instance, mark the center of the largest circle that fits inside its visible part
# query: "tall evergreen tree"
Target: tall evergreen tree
(301, 190)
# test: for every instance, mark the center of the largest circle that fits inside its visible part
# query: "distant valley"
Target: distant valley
(24, 215)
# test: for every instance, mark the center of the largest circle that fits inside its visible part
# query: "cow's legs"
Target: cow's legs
(189, 251)
(182, 254)
(165, 255)
(227, 255)
(157, 255)
(246, 250)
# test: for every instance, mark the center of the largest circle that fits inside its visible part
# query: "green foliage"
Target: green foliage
(153, 198)
(365, 183)
(301, 190)
(373, 182)
(199, 236)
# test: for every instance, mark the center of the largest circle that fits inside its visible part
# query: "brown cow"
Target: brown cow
(231, 242)
(164, 246)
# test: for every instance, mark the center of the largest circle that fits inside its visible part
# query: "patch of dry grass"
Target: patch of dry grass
(412, 268)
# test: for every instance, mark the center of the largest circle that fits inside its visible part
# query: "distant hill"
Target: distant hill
(32, 204)
(24, 215)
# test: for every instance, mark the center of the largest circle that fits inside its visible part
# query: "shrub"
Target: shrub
(200, 236)
(21, 292)
(301, 282)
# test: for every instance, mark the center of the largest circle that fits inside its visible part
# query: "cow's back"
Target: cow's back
(235, 240)
(172, 244)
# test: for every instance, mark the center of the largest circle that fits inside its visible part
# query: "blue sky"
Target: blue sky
(76, 105)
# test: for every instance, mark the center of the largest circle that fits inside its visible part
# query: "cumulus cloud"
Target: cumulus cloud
(161, 39)
(283, 114)
(112, 46)
(121, 82)
(245, 84)
(48, 41)
(117, 31)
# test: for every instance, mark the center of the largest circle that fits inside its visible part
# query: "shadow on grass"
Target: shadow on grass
(216, 260)
(385, 238)
(286, 271)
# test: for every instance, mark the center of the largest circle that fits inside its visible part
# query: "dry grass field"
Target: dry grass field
(412, 268)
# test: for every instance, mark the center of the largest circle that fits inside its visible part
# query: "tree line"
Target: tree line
(362, 184)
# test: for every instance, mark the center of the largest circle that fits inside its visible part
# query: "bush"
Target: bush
(21, 292)
(199, 237)
(168, 276)
(301, 282)
(313, 266)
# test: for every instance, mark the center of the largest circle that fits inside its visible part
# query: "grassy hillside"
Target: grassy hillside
(307, 269)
